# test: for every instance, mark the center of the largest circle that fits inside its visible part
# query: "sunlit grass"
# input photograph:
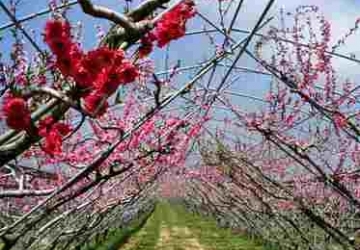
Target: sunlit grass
(210, 235)
(182, 227)
(147, 237)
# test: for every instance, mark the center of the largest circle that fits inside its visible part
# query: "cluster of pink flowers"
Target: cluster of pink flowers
(18, 117)
(53, 132)
(17, 113)
(97, 73)
(170, 27)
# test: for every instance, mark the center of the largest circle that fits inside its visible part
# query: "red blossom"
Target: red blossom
(118, 57)
(17, 113)
(56, 29)
(58, 36)
(83, 78)
(109, 79)
(53, 134)
(64, 65)
(172, 25)
(45, 126)
(53, 143)
(68, 53)
(169, 30)
(95, 103)
(146, 44)
(103, 57)
(103, 69)
(62, 128)
(60, 46)
(99, 68)
(98, 59)
(128, 72)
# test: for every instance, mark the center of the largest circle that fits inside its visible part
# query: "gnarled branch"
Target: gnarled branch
(103, 12)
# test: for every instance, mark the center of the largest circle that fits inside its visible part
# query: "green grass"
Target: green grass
(207, 232)
(116, 237)
(147, 238)
(182, 227)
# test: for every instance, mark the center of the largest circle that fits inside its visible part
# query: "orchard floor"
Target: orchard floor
(172, 228)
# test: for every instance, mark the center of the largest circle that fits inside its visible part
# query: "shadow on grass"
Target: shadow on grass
(118, 237)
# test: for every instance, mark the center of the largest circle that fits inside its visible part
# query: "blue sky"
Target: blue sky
(194, 49)
(342, 13)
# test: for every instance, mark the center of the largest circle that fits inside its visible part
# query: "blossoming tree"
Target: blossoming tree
(89, 134)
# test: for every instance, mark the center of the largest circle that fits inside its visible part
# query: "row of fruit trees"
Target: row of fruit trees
(91, 137)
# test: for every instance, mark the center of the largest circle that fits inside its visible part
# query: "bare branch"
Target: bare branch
(145, 8)
(25, 192)
(103, 12)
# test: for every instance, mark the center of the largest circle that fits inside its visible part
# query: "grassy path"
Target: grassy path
(172, 228)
